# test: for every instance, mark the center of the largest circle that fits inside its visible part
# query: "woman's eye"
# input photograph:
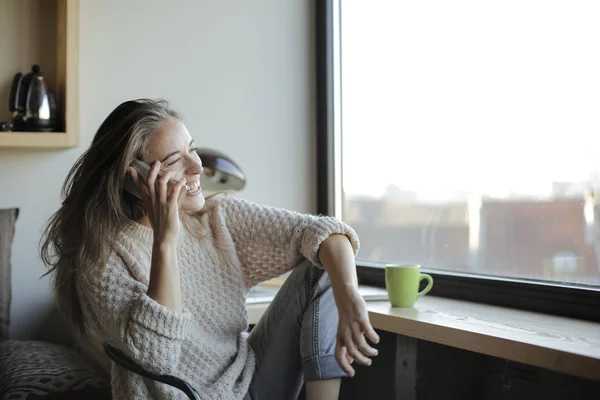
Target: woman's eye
(193, 150)
(173, 162)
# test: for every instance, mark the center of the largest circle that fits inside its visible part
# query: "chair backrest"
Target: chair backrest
(120, 358)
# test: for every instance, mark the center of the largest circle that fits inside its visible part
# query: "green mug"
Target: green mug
(402, 284)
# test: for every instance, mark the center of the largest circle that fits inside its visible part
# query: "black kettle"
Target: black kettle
(33, 105)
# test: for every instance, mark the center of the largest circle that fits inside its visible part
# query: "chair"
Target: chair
(120, 358)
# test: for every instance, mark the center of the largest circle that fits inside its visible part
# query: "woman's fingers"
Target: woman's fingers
(352, 346)
(349, 358)
(368, 329)
(163, 187)
(359, 357)
(342, 357)
(361, 342)
(178, 193)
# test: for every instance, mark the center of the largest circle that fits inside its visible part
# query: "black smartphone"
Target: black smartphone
(143, 169)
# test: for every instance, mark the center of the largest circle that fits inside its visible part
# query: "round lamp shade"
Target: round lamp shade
(221, 173)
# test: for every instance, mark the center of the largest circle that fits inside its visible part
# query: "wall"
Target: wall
(240, 72)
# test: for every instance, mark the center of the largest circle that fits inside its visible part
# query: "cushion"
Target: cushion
(43, 370)
(8, 219)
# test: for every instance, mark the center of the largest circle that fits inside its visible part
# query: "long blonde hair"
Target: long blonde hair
(77, 239)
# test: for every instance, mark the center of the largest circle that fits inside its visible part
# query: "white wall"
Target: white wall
(240, 72)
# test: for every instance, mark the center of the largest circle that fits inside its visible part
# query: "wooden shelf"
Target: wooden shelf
(556, 343)
(41, 140)
(559, 344)
(43, 32)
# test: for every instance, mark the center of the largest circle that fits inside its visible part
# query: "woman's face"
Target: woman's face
(173, 146)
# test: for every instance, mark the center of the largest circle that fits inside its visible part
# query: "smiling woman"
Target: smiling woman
(162, 274)
(180, 166)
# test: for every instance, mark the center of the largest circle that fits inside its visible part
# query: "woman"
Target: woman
(164, 278)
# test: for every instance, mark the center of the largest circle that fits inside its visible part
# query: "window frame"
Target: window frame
(574, 301)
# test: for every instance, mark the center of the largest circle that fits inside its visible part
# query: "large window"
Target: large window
(465, 136)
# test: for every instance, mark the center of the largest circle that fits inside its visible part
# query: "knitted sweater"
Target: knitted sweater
(206, 343)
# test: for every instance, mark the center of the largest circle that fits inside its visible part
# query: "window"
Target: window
(465, 137)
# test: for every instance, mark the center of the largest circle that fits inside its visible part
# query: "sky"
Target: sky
(469, 96)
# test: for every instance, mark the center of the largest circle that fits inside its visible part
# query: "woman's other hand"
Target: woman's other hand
(354, 328)
(162, 200)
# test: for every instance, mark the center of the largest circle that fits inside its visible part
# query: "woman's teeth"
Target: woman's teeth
(192, 187)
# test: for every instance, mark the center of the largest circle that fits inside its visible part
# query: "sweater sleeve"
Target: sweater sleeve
(271, 241)
(120, 312)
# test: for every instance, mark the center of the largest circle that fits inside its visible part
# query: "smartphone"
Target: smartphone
(143, 169)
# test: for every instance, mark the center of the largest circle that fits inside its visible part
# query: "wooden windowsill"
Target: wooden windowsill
(556, 343)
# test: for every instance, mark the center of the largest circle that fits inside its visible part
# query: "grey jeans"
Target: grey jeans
(294, 341)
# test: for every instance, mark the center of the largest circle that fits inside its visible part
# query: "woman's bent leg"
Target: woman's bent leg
(294, 341)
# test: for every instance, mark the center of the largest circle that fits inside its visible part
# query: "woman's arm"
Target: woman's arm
(164, 285)
(271, 241)
(162, 201)
(337, 257)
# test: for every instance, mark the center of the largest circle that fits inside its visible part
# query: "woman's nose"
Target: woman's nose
(195, 167)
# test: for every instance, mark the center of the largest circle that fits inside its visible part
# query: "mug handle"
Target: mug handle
(429, 284)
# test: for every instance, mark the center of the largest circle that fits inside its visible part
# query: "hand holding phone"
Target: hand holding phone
(162, 196)
(143, 170)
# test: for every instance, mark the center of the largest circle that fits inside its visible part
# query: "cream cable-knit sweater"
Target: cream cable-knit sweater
(206, 344)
